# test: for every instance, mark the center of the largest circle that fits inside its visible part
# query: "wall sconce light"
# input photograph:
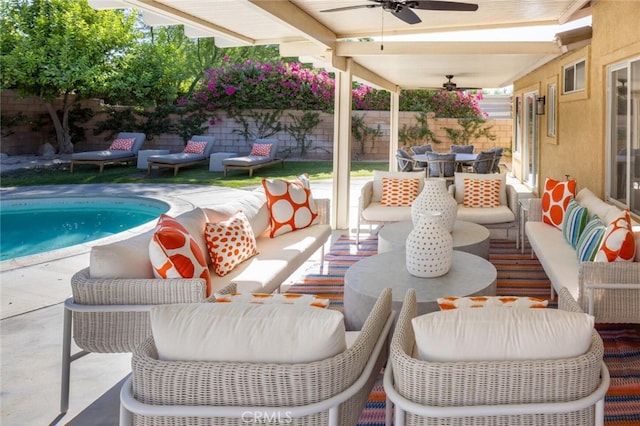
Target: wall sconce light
(540, 105)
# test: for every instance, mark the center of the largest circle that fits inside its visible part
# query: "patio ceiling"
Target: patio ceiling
(302, 29)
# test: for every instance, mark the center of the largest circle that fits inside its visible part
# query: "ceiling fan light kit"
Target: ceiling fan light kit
(403, 9)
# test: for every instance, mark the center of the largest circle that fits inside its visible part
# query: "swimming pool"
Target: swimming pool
(30, 226)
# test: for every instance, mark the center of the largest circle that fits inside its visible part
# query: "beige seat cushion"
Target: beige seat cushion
(247, 332)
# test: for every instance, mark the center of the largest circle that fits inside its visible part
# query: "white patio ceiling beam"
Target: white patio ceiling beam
(162, 11)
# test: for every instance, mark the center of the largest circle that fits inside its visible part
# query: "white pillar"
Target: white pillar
(341, 149)
(394, 127)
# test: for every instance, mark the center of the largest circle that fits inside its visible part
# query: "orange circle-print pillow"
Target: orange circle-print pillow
(555, 200)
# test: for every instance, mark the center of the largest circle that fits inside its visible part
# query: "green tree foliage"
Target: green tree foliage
(362, 133)
(55, 48)
(301, 128)
(419, 133)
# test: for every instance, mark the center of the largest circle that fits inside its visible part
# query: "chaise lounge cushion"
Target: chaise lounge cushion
(247, 332)
(190, 153)
(113, 154)
(249, 160)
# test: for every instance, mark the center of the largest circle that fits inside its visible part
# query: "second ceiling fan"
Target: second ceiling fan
(403, 9)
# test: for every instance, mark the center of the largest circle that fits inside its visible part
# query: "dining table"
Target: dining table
(462, 160)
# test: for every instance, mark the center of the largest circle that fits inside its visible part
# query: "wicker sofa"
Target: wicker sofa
(110, 299)
(330, 391)
(592, 284)
(563, 391)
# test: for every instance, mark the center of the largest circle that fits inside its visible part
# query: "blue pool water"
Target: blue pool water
(36, 225)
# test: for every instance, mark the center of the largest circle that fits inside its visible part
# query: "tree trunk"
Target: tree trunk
(63, 137)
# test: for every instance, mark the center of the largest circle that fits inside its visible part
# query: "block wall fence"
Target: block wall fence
(24, 140)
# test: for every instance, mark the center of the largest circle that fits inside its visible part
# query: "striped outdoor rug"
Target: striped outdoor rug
(518, 275)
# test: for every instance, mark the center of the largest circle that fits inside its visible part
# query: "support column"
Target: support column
(342, 149)
(394, 127)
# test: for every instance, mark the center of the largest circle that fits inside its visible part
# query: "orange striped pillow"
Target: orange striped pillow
(481, 193)
(454, 302)
(399, 192)
(271, 298)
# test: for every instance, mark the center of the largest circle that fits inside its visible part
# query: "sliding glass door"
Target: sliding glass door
(623, 134)
(530, 140)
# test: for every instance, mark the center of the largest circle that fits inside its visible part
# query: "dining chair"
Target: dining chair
(406, 161)
(441, 165)
(483, 164)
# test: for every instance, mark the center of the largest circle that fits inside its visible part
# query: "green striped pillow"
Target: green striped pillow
(574, 220)
(590, 239)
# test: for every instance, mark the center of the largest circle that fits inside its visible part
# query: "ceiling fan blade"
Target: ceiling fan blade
(442, 5)
(340, 9)
(406, 14)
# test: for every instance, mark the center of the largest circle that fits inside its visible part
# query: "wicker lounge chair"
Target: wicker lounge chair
(566, 391)
(182, 159)
(332, 391)
(110, 156)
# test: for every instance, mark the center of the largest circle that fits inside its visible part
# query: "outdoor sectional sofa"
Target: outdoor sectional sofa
(109, 310)
(591, 283)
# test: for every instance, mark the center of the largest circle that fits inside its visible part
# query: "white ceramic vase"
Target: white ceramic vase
(435, 197)
(429, 247)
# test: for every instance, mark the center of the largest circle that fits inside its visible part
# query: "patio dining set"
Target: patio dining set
(461, 158)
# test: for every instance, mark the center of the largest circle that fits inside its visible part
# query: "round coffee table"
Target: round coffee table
(470, 275)
(467, 236)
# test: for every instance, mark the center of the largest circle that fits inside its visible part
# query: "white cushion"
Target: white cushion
(376, 194)
(130, 258)
(485, 215)
(375, 212)
(246, 332)
(459, 185)
(595, 205)
(498, 334)
(127, 258)
(253, 205)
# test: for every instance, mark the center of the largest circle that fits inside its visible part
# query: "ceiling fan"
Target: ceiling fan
(450, 86)
(403, 9)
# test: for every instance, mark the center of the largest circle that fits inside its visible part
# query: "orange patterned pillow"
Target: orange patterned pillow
(481, 193)
(175, 254)
(555, 200)
(125, 144)
(290, 204)
(261, 149)
(454, 302)
(195, 147)
(272, 298)
(618, 243)
(399, 192)
(230, 242)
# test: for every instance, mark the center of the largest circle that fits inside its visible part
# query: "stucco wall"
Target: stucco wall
(26, 141)
(579, 149)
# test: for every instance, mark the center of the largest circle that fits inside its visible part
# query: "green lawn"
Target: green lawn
(198, 174)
